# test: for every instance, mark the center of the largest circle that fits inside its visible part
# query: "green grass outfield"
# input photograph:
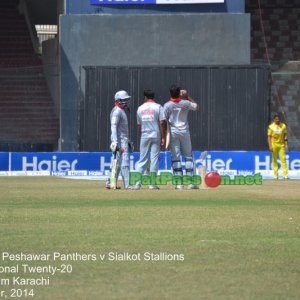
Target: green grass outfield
(237, 242)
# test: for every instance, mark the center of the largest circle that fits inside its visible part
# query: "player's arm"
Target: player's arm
(184, 95)
(114, 135)
(270, 143)
(139, 121)
(139, 128)
(269, 134)
(163, 129)
(286, 144)
(194, 105)
(285, 138)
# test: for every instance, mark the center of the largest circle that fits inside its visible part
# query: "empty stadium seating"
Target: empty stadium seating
(279, 24)
(27, 118)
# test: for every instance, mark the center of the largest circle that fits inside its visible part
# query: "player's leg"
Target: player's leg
(202, 168)
(154, 158)
(115, 170)
(176, 158)
(118, 168)
(143, 162)
(283, 161)
(107, 183)
(154, 155)
(274, 161)
(186, 149)
(124, 162)
(112, 180)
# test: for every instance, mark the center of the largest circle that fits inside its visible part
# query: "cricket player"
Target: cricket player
(120, 137)
(152, 122)
(176, 113)
(278, 144)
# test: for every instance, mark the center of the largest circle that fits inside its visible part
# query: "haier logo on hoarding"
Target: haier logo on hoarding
(216, 164)
(47, 165)
(265, 163)
(59, 162)
(105, 162)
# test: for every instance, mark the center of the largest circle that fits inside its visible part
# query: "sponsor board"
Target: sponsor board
(4, 161)
(127, 2)
(97, 164)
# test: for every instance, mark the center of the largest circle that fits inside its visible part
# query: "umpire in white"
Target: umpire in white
(151, 120)
(176, 112)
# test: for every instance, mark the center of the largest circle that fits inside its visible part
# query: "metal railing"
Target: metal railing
(46, 32)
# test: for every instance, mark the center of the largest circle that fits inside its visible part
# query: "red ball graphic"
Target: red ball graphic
(212, 179)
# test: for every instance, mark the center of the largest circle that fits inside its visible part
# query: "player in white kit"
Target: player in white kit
(120, 137)
(176, 112)
(151, 120)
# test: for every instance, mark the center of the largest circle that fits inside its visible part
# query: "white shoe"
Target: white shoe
(136, 187)
(153, 187)
(193, 187)
(133, 187)
(179, 187)
(107, 184)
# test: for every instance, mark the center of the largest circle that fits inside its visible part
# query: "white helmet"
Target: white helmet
(122, 95)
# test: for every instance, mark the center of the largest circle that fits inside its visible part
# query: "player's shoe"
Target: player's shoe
(275, 178)
(132, 187)
(135, 187)
(109, 188)
(193, 187)
(179, 187)
(285, 178)
(153, 187)
(107, 184)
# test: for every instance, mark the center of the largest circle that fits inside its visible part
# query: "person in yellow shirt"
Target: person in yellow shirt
(278, 144)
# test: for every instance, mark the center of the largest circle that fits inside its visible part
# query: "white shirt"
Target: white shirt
(149, 116)
(177, 114)
(119, 125)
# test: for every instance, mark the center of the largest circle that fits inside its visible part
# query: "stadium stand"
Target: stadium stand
(27, 114)
(27, 117)
(275, 39)
(281, 23)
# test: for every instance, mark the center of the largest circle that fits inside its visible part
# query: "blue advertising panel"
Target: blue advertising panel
(60, 161)
(98, 163)
(246, 160)
(110, 2)
(4, 159)
(248, 163)
(73, 161)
